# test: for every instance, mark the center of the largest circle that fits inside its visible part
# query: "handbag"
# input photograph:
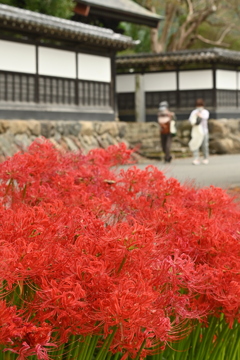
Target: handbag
(173, 129)
(197, 136)
(198, 120)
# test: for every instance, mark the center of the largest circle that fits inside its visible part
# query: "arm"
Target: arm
(193, 117)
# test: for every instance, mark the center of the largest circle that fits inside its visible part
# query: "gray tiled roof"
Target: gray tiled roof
(211, 55)
(11, 17)
(123, 6)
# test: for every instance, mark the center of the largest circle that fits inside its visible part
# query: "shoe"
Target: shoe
(196, 162)
(205, 161)
(168, 160)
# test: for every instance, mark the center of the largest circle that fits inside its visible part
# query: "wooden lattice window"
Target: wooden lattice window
(56, 90)
(94, 93)
(126, 101)
(227, 98)
(154, 98)
(17, 87)
(188, 98)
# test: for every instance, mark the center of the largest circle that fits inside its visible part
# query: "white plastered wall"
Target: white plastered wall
(94, 68)
(125, 83)
(226, 79)
(59, 63)
(238, 80)
(160, 81)
(195, 80)
(17, 57)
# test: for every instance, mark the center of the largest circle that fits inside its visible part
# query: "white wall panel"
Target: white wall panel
(226, 79)
(125, 83)
(195, 79)
(17, 57)
(238, 80)
(160, 81)
(94, 68)
(60, 63)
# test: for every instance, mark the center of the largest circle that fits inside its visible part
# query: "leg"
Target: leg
(196, 160)
(163, 143)
(205, 146)
(196, 154)
(168, 157)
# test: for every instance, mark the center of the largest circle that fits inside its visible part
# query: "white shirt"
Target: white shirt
(204, 114)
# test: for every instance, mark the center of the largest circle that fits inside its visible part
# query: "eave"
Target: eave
(56, 28)
(143, 17)
(178, 58)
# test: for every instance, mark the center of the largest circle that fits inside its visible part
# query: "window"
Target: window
(17, 87)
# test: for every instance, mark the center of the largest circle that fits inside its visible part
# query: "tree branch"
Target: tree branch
(190, 7)
(219, 41)
(190, 26)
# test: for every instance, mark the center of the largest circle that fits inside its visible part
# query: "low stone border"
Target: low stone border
(17, 135)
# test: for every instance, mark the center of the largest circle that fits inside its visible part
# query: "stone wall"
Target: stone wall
(17, 135)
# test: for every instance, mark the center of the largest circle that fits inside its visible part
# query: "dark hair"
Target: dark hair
(199, 102)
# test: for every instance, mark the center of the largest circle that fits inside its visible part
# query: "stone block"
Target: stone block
(76, 142)
(17, 126)
(233, 125)
(70, 143)
(218, 128)
(48, 129)
(55, 143)
(7, 145)
(87, 128)
(184, 125)
(136, 132)
(109, 127)
(4, 125)
(72, 128)
(60, 127)
(122, 140)
(186, 133)
(122, 128)
(222, 146)
(22, 141)
(106, 140)
(34, 127)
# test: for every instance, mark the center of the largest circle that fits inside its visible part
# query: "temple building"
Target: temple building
(144, 80)
(52, 68)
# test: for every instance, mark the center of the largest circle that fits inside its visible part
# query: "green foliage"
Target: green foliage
(59, 8)
(213, 342)
(138, 32)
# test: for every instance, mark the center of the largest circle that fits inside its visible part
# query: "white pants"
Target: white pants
(204, 147)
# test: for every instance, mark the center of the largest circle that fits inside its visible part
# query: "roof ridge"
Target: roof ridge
(215, 50)
(29, 17)
(142, 10)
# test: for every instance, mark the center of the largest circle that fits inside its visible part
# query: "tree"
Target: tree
(60, 8)
(191, 22)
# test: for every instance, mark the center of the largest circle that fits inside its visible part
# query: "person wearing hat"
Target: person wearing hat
(165, 116)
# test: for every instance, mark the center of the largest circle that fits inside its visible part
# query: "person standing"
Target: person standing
(199, 134)
(165, 116)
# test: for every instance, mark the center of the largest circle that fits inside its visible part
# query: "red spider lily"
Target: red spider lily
(129, 256)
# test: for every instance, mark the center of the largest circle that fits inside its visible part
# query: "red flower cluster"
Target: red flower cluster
(87, 249)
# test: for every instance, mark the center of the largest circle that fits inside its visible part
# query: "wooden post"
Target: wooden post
(37, 76)
(214, 88)
(140, 112)
(76, 81)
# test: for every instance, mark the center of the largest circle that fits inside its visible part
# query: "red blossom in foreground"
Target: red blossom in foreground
(90, 248)
(21, 337)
